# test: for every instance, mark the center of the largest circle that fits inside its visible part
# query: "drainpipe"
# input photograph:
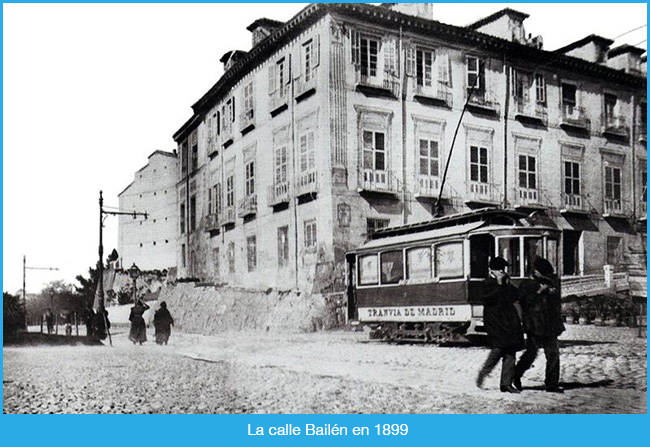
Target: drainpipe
(634, 180)
(505, 134)
(404, 94)
(293, 163)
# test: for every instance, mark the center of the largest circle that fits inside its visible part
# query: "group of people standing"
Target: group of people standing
(162, 322)
(539, 311)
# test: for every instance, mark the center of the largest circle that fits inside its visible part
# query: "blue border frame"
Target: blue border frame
(204, 430)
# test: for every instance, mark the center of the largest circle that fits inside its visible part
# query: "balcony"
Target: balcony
(279, 101)
(643, 211)
(479, 193)
(247, 121)
(531, 112)
(428, 187)
(614, 208)
(438, 94)
(615, 126)
(211, 223)
(227, 135)
(528, 198)
(574, 204)
(483, 101)
(247, 206)
(227, 216)
(278, 194)
(377, 182)
(305, 87)
(307, 183)
(382, 85)
(574, 118)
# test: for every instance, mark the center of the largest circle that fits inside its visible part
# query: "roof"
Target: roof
(422, 236)
(603, 41)
(188, 127)
(264, 22)
(386, 17)
(493, 17)
(172, 154)
(625, 48)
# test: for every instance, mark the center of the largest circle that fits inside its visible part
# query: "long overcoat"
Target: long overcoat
(542, 313)
(500, 315)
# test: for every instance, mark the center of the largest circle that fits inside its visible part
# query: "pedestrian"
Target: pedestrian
(88, 316)
(49, 320)
(138, 333)
(162, 322)
(541, 308)
(502, 324)
(101, 325)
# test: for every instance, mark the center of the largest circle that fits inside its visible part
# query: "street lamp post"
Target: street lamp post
(134, 273)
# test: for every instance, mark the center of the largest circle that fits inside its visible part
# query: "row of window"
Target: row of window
(310, 242)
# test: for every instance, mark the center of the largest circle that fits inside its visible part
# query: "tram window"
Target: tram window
(392, 267)
(418, 263)
(481, 248)
(368, 273)
(532, 249)
(551, 252)
(449, 260)
(509, 249)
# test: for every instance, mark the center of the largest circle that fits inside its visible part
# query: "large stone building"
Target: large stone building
(341, 121)
(150, 243)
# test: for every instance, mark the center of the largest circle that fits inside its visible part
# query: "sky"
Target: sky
(91, 90)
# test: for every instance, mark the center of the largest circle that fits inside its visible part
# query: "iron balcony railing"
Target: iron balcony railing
(247, 119)
(483, 193)
(531, 110)
(427, 186)
(211, 222)
(247, 206)
(279, 98)
(378, 181)
(303, 84)
(574, 116)
(485, 100)
(574, 203)
(307, 183)
(439, 91)
(278, 193)
(615, 125)
(383, 81)
(227, 216)
(614, 207)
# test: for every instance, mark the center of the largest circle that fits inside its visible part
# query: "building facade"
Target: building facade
(344, 119)
(150, 243)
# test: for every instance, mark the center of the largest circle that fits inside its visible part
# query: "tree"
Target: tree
(88, 286)
(13, 314)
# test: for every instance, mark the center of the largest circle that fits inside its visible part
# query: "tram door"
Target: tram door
(481, 249)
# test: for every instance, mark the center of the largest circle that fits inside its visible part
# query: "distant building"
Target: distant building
(150, 243)
(340, 121)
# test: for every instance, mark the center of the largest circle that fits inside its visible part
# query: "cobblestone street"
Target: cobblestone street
(604, 370)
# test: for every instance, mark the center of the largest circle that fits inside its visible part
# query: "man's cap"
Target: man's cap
(543, 266)
(498, 263)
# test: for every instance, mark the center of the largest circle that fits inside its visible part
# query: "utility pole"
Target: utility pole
(99, 295)
(25, 268)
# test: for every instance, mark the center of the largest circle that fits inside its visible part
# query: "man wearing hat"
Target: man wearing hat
(502, 324)
(541, 308)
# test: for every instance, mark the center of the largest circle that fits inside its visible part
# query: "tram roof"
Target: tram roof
(452, 220)
(437, 233)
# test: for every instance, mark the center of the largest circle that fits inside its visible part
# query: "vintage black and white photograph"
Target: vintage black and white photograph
(326, 208)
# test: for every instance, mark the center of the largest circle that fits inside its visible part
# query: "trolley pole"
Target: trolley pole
(99, 295)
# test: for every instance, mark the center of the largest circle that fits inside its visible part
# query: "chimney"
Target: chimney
(627, 58)
(421, 10)
(262, 28)
(506, 24)
(592, 48)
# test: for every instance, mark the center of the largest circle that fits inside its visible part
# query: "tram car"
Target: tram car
(423, 282)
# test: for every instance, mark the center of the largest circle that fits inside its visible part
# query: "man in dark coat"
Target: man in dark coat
(502, 324)
(541, 308)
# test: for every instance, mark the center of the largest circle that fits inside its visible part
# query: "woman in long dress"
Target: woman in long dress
(163, 322)
(138, 333)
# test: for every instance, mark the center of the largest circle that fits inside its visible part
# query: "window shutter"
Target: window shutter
(481, 75)
(356, 47)
(232, 118)
(289, 70)
(316, 52)
(410, 60)
(390, 58)
(272, 82)
(444, 69)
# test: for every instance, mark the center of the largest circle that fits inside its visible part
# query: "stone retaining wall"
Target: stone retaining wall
(213, 309)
